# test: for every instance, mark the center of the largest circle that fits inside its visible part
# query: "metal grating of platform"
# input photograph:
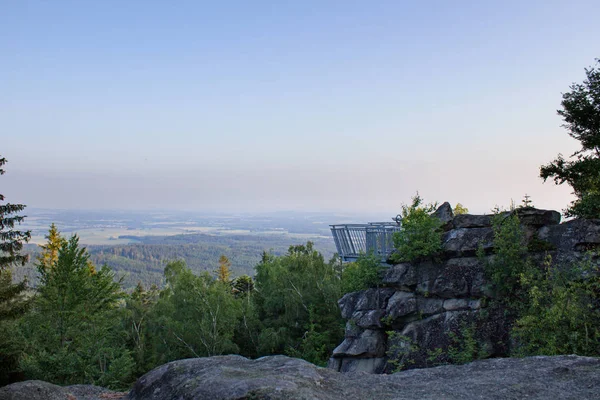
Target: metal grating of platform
(352, 240)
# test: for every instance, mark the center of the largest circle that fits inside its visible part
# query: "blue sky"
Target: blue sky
(313, 105)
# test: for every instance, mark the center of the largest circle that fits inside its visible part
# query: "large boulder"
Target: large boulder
(472, 221)
(454, 277)
(280, 377)
(444, 214)
(402, 276)
(574, 235)
(464, 242)
(370, 299)
(535, 217)
(369, 343)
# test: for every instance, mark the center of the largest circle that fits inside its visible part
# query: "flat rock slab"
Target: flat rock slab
(280, 377)
(40, 390)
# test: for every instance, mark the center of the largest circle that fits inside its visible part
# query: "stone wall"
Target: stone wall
(428, 305)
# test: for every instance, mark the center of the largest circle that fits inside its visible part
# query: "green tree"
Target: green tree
(13, 304)
(562, 313)
(581, 114)
(11, 240)
(197, 314)
(296, 298)
(13, 301)
(459, 209)
(362, 274)
(74, 333)
(510, 260)
(139, 324)
(247, 332)
(243, 286)
(420, 236)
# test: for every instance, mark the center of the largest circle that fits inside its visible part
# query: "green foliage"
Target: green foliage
(465, 347)
(459, 209)
(73, 332)
(11, 240)
(243, 286)
(13, 304)
(420, 236)
(434, 357)
(537, 245)
(563, 312)
(138, 323)
(297, 303)
(581, 114)
(400, 348)
(249, 326)
(526, 202)
(362, 274)
(197, 313)
(555, 308)
(510, 259)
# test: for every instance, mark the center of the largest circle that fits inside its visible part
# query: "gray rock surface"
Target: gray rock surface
(369, 343)
(280, 377)
(472, 221)
(444, 214)
(423, 300)
(536, 217)
(464, 242)
(574, 235)
(40, 390)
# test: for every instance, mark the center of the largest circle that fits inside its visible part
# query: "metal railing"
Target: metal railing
(352, 240)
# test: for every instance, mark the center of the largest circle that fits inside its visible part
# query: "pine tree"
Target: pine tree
(74, 331)
(13, 302)
(224, 273)
(11, 240)
(49, 255)
(243, 286)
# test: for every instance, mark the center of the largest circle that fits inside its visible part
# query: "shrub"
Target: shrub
(362, 274)
(510, 260)
(555, 308)
(420, 236)
(400, 350)
(465, 347)
(563, 313)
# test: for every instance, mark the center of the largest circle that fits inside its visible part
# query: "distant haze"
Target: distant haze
(251, 106)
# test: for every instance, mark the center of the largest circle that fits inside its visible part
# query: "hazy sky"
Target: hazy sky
(307, 105)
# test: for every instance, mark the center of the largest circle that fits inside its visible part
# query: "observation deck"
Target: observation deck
(352, 240)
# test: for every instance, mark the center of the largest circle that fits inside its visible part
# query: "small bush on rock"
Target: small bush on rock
(362, 274)
(510, 260)
(420, 236)
(400, 349)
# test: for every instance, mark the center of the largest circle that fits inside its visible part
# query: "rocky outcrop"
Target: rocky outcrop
(40, 390)
(425, 310)
(280, 377)
(444, 213)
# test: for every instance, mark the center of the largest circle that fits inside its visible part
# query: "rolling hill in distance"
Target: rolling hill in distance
(138, 244)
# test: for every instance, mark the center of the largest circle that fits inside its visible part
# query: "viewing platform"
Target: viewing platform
(352, 240)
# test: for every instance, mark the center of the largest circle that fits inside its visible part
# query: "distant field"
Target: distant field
(137, 245)
(144, 259)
